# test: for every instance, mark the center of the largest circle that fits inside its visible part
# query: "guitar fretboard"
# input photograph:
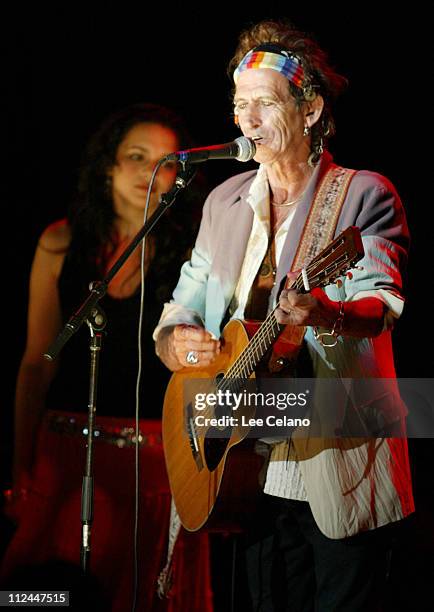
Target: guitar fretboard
(250, 357)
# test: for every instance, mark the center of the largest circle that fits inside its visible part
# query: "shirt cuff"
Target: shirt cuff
(175, 314)
(394, 303)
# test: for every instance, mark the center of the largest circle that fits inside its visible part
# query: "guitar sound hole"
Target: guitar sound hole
(215, 448)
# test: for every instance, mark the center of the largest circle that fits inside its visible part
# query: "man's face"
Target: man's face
(266, 109)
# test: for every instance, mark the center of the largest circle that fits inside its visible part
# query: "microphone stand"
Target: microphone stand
(96, 326)
(96, 320)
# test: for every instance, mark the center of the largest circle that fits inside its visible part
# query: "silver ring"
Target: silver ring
(192, 357)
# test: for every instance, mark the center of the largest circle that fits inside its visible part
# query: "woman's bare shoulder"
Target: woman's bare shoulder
(56, 238)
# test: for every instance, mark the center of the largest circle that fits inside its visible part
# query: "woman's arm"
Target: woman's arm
(44, 321)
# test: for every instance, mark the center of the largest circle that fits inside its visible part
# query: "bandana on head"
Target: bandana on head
(277, 58)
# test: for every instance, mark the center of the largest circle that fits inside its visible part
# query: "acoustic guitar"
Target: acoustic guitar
(214, 471)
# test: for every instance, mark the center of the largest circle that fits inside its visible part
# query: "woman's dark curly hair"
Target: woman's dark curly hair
(320, 77)
(91, 215)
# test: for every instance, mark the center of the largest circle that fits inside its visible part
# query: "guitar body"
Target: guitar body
(219, 470)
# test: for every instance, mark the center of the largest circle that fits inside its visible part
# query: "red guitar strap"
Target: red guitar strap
(323, 216)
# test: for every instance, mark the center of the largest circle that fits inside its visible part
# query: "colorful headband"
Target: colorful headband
(273, 56)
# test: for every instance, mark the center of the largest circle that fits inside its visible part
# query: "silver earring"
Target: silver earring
(306, 130)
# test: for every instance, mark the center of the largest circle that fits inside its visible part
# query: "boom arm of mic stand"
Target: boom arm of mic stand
(99, 288)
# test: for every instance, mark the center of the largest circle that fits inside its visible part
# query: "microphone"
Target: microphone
(242, 148)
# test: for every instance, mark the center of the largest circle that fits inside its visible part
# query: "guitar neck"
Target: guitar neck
(261, 341)
(250, 357)
(330, 263)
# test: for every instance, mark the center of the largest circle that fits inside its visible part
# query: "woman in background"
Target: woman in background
(109, 210)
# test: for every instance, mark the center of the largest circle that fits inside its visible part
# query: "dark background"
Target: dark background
(63, 72)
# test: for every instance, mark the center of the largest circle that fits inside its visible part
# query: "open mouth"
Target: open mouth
(257, 139)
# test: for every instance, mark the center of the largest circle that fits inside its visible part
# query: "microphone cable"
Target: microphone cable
(138, 380)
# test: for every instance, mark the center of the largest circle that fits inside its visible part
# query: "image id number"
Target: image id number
(34, 598)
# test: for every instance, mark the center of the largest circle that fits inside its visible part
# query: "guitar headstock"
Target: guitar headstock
(334, 260)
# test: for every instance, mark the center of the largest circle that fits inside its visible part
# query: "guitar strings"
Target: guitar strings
(245, 363)
(269, 325)
(238, 369)
(257, 347)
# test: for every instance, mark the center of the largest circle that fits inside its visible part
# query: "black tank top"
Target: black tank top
(119, 357)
